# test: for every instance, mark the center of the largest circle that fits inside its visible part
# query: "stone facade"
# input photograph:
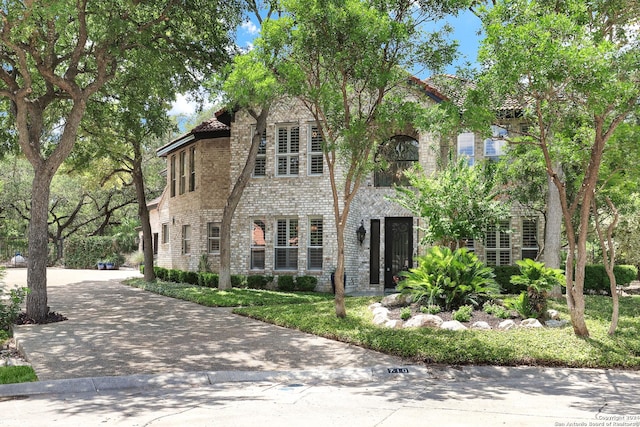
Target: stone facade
(295, 202)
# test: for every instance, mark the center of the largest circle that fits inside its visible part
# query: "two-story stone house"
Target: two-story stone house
(284, 223)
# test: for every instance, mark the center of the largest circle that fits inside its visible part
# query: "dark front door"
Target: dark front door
(398, 248)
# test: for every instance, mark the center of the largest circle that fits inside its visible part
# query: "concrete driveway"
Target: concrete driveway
(114, 329)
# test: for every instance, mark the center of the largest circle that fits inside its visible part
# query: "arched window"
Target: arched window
(393, 158)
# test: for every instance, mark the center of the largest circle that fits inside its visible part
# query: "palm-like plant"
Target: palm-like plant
(449, 279)
(539, 280)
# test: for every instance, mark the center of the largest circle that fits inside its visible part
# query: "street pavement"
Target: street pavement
(127, 357)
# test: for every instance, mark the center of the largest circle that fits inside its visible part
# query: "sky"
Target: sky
(466, 27)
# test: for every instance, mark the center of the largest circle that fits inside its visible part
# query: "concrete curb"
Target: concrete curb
(201, 379)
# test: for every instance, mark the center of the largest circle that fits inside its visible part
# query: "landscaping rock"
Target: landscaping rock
(396, 300)
(480, 325)
(424, 320)
(380, 319)
(374, 306)
(530, 323)
(394, 324)
(505, 325)
(553, 314)
(453, 325)
(381, 310)
(556, 323)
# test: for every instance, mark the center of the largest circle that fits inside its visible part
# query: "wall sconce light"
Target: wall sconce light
(361, 232)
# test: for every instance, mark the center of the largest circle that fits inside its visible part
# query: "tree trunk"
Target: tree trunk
(341, 310)
(37, 304)
(224, 274)
(143, 212)
(553, 229)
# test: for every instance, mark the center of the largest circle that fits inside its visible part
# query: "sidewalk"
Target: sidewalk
(131, 358)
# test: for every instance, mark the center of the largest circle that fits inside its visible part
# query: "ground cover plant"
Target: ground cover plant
(314, 313)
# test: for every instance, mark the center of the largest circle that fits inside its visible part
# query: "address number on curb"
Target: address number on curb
(397, 370)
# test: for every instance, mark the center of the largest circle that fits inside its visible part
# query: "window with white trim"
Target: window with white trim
(466, 146)
(497, 244)
(260, 168)
(186, 239)
(494, 146)
(314, 249)
(287, 150)
(213, 237)
(315, 156)
(286, 244)
(530, 245)
(258, 229)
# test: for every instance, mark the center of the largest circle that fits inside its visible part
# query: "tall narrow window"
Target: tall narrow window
(530, 246)
(315, 151)
(466, 146)
(172, 172)
(165, 233)
(183, 171)
(192, 168)
(286, 248)
(494, 146)
(258, 243)
(186, 239)
(498, 244)
(155, 243)
(287, 149)
(213, 238)
(314, 250)
(393, 158)
(260, 169)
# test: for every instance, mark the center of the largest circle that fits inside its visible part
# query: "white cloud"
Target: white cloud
(250, 27)
(182, 106)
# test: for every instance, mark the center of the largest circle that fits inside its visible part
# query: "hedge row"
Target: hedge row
(285, 283)
(596, 279)
(86, 252)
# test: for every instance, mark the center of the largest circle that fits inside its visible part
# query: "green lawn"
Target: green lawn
(15, 374)
(314, 313)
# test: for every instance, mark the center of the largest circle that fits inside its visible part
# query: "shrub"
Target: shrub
(596, 279)
(173, 275)
(286, 283)
(496, 310)
(430, 309)
(161, 273)
(405, 313)
(209, 280)
(521, 305)
(10, 307)
(463, 314)
(258, 281)
(503, 275)
(538, 280)
(238, 281)
(85, 252)
(449, 279)
(203, 264)
(190, 277)
(306, 283)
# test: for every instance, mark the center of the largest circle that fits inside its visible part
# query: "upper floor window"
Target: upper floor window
(315, 151)
(260, 168)
(172, 173)
(213, 238)
(287, 150)
(466, 146)
(494, 146)
(183, 171)
(192, 168)
(393, 158)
